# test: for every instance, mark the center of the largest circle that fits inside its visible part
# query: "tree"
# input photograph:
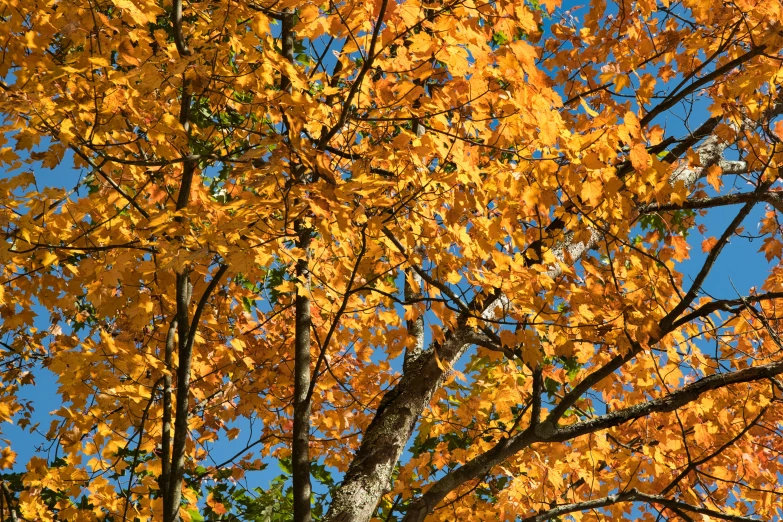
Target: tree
(427, 253)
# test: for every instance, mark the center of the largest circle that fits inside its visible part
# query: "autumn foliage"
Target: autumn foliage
(430, 258)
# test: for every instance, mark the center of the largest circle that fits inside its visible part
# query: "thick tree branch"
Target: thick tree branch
(300, 449)
(773, 198)
(633, 495)
(537, 391)
(548, 432)
(287, 44)
(728, 305)
(369, 474)
(670, 402)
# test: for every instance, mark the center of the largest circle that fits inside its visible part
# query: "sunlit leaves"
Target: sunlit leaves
(505, 149)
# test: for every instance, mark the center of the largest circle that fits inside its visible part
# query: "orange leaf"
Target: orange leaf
(640, 158)
(772, 248)
(713, 177)
(707, 244)
(592, 161)
(681, 248)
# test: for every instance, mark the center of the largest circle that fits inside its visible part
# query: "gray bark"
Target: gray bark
(415, 326)
(368, 478)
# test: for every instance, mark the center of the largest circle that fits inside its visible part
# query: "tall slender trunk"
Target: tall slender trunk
(301, 442)
(172, 492)
(300, 451)
(165, 442)
(179, 441)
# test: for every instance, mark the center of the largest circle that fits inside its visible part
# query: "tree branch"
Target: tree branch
(672, 100)
(165, 443)
(547, 431)
(302, 383)
(696, 463)
(633, 495)
(300, 449)
(773, 198)
(183, 389)
(213, 283)
(368, 61)
(725, 305)
(415, 326)
(670, 402)
(136, 452)
(176, 23)
(183, 294)
(711, 258)
(9, 500)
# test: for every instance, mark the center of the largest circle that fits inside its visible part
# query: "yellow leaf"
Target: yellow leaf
(593, 192)
(421, 44)
(530, 196)
(587, 108)
(238, 345)
(161, 218)
(772, 248)
(439, 362)
(702, 435)
(171, 122)
(99, 61)
(308, 13)
(285, 287)
(5, 412)
(130, 8)
(454, 277)
(25, 234)
(632, 124)
(66, 131)
(551, 5)
(48, 258)
(7, 458)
